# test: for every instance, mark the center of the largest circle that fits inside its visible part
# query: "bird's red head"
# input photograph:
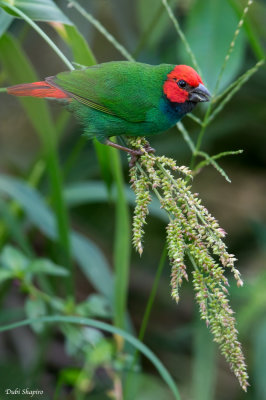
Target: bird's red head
(183, 83)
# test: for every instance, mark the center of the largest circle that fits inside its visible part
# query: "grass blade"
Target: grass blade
(250, 32)
(181, 35)
(22, 15)
(18, 70)
(40, 10)
(89, 257)
(245, 77)
(122, 243)
(101, 29)
(203, 384)
(108, 328)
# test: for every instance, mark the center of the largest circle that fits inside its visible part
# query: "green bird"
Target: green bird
(123, 98)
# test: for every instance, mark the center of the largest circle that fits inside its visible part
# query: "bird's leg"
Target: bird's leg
(133, 152)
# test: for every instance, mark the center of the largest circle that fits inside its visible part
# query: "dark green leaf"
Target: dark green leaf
(5, 274)
(94, 306)
(40, 10)
(45, 266)
(13, 259)
(81, 51)
(109, 328)
(35, 308)
(89, 257)
(5, 21)
(95, 192)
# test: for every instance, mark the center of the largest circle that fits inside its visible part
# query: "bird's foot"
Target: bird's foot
(134, 155)
(148, 148)
(137, 153)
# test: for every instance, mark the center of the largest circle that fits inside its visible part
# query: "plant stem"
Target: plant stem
(181, 35)
(101, 29)
(121, 245)
(152, 294)
(147, 314)
(40, 32)
(59, 320)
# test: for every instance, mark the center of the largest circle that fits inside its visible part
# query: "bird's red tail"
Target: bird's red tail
(37, 89)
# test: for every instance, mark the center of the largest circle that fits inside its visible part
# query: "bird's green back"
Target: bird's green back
(126, 89)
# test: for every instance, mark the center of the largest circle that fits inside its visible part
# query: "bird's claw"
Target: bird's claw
(137, 153)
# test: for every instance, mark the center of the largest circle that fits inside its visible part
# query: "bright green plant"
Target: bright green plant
(193, 235)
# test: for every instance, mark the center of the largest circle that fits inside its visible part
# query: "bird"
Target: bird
(123, 98)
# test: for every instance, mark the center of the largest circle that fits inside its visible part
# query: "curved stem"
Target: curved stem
(101, 29)
(109, 328)
(40, 31)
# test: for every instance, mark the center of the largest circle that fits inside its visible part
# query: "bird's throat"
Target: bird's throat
(176, 111)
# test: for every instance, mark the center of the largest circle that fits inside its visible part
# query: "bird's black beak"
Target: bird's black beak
(200, 93)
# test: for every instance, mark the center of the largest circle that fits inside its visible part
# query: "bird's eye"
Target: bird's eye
(182, 84)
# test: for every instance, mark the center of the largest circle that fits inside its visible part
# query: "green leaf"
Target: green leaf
(35, 308)
(248, 26)
(13, 259)
(5, 275)
(83, 55)
(40, 10)
(203, 385)
(81, 51)
(95, 192)
(259, 354)
(19, 69)
(209, 37)
(93, 264)
(104, 158)
(45, 266)
(101, 353)
(153, 22)
(5, 21)
(109, 328)
(94, 306)
(89, 257)
(12, 226)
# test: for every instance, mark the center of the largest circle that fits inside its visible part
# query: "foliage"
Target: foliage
(35, 212)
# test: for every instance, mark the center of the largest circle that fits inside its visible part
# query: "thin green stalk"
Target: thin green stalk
(101, 29)
(153, 292)
(186, 136)
(74, 155)
(58, 319)
(211, 161)
(250, 31)
(2, 90)
(149, 30)
(215, 157)
(146, 316)
(232, 44)
(181, 35)
(195, 119)
(47, 134)
(39, 31)
(122, 244)
(200, 137)
(234, 90)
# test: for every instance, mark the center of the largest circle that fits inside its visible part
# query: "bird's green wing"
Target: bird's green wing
(125, 89)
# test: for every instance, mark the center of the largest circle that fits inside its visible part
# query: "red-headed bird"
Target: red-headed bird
(123, 98)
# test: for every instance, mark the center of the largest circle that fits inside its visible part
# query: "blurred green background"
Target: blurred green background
(51, 358)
